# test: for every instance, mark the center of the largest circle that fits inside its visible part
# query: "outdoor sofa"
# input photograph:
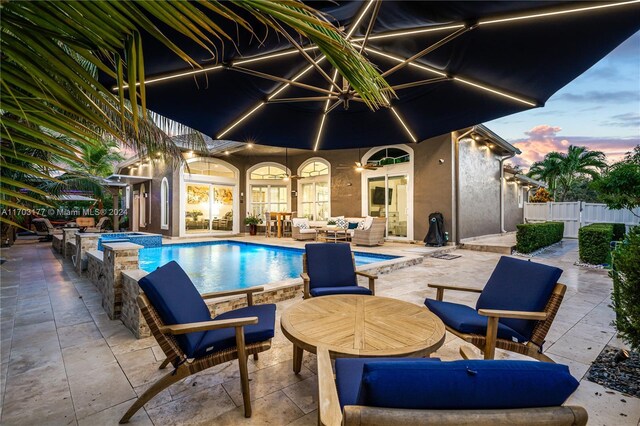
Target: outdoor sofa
(426, 391)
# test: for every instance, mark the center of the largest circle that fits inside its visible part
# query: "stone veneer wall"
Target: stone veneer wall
(84, 242)
(108, 277)
(69, 249)
(134, 321)
(56, 243)
(68, 236)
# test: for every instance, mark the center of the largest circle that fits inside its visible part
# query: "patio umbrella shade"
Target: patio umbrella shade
(451, 64)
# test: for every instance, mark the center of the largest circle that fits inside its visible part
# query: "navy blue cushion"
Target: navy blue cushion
(519, 285)
(327, 291)
(217, 340)
(467, 320)
(349, 376)
(353, 225)
(330, 265)
(177, 301)
(460, 385)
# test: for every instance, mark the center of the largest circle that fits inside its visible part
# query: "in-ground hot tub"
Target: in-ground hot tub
(145, 239)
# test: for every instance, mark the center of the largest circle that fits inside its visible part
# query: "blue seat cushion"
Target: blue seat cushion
(217, 340)
(327, 291)
(467, 320)
(465, 385)
(330, 265)
(349, 376)
(519, 285)
(177, 301)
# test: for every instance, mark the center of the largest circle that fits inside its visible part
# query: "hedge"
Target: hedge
(626, 288)
(594, 243)
(532, 236)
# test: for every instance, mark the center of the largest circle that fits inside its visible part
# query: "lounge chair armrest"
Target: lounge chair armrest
(207, 325)
(365, 274)
(372, 281)
(442, 287)
(246, 291)
(233, 292)
(305, 282)
(538, 316)
(328, 402)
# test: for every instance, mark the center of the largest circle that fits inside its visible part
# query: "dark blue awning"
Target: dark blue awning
(513, 56)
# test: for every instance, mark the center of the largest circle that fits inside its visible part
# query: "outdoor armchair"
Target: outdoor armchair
(514, 311)
(329, 268)
(181, 323)
(300, 229)
(426, 391)
(44, 228)
(372, 236)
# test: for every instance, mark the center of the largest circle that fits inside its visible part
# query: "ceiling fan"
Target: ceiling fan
(359, 166)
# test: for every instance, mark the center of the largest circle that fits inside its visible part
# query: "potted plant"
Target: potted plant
(252, 221)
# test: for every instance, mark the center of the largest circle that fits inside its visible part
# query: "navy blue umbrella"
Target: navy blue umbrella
(452, 65)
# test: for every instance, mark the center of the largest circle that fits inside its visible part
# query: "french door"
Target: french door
(388, 197)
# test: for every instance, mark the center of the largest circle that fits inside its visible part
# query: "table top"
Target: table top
(362, 326)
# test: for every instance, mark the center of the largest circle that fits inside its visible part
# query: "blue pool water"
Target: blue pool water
(226, 265)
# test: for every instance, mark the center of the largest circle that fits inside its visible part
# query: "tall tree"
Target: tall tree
(560, 170)
(619, 186)
(52, 52)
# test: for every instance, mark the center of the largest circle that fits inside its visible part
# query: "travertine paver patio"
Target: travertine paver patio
(64, 362)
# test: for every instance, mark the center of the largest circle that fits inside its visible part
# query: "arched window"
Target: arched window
(313, 189)
(164, 204)
(208, 168)
(267, 188)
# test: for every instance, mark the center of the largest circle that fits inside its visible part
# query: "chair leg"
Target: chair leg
(255, 357)
(155, 389)
(164, 364)
(244, 372)
(492, 334)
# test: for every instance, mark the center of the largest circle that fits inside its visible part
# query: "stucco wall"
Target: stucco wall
(479, 171)
(513, 215)
(433, 186)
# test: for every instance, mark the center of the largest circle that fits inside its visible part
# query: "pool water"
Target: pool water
(226, 265)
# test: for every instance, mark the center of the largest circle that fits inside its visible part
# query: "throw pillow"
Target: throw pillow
(361, 224)
(303, 225)
(368, 221)
(341, 222)
(353, 225)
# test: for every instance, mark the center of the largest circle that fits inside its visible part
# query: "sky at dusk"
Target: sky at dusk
(600, 110)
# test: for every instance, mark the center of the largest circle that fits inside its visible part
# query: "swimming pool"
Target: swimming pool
(226, 265)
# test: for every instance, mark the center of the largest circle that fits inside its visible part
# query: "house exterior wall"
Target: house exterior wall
(513, 214)
(479, 172)
(433, 187)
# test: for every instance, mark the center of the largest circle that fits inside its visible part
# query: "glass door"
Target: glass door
(397, 206)
(198, 208)
(388, 197)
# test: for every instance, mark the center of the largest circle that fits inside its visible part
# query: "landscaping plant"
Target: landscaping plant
(594, 243)
(626, 288)
(533, 236)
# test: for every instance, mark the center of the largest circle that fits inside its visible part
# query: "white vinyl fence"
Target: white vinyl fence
(578, 214)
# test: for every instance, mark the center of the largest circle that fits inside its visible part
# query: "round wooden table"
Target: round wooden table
(361, 326)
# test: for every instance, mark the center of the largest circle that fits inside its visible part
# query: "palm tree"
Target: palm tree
(52, 52)
(560, 170)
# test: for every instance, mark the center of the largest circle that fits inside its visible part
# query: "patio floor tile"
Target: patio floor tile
(64, 361)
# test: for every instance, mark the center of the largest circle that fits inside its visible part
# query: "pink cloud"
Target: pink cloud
(544, 138)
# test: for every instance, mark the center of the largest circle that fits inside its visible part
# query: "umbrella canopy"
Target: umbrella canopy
(452, 65)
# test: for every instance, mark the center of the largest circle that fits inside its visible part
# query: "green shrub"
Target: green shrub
(532, 236)
(626, 288)
(619, 229)
(594, 243)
